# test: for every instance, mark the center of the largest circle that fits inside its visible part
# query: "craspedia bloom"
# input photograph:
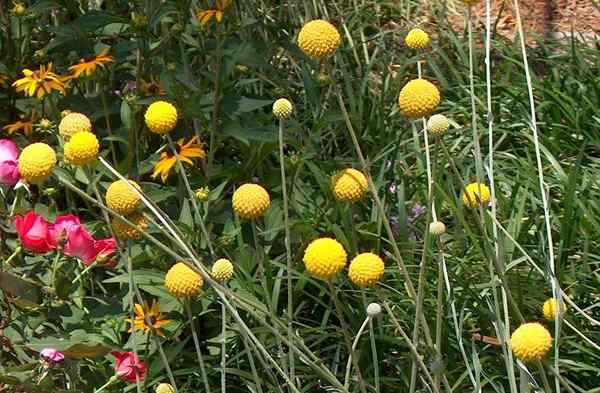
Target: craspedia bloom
(324, 258)
(349, 185)
(250, 201)
(72, 123)
(438, 124)
(282, 108)
(82, 148)
(437, 228)
(418, 98)
(222, 270)
(531, 341)
(121, 198)
(164, 388)
(124, 231)
(476, 194)
(416, 39)
(181, 281)
(318, 38)
(161, 117)
(549, 308)
(366, 269)
(36, 162)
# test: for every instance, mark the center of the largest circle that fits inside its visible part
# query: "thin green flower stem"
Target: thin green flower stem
(108, 127)
(55, 266)
(216, 101)
(257, 379)
(84, 272)
(439, 311)
(373, 348)
(131, 307)
(110, 381)
(551, 260)
(188, 309)
(354, 345)
(346, 334)
(13, 255)
(199, 216)
(13, 206)
(165, 360)
(288, 253)
(223, 348)
(412, 348)
(506, 347)
(260, 272)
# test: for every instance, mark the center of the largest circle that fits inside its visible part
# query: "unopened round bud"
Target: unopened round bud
(373, 310)
(437, 228)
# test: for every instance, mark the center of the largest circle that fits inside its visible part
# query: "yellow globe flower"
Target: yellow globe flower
(282, 108)
(318, 38)
(222, 270)
(417, 39)
(250, 201)
(531, 341)
(121, 198)
(366, 269)
(82, 148)
(438, 124)
(164, 388)
(161, 117)
(74, 122)
(549, 308)
(124, 231)
(349, 185)
(181, 281)
(36, 162)
(324, 258)
(476, 194)
(418, 98)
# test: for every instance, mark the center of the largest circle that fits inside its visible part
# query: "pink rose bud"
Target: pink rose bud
(52, 355)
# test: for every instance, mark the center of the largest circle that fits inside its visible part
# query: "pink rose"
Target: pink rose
(80, 244)
(105, 248)
(33, 232)
(9, 172)
(59, 232)
(128, 365)
(52, 355)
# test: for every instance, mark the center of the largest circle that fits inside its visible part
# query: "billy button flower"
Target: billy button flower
(74, 122)
(324, 258)
(181, 281)
(36, 162)
(418, 98)
(282, 108)
(476, 194)
(349, 185)
(222, 270)
(416, 39)
(161, 117)
(124, 231)
(318, 38)
(366, 269)
(82, 148)
(88, 66)
(438, 124)
(121, 198)
(164, 388)
(250, 201)
(531, 341)
(549, 308)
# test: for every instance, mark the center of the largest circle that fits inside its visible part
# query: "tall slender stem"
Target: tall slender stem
(188, 309)
(223, 348)
(354, 344)
(288, 251)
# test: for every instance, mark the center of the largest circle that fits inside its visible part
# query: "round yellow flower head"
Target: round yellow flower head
(161, 117)
(417, 39)
(124, 231)
(418, 98)
(74, 122)
(181, 281)
(438, 124)
(349, 185)
(549, 308)
(82, 148)
(366, 269)
(437, 228)
(318, 38)
(36, 162)
(476, 194)
(164, 388)
(222, 270)
(282, 108)
(531, 341)
(324, 258)
(250, 201)
(121, 198)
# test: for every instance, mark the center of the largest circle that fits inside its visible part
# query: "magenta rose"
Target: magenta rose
(33, 232)
(9, 171)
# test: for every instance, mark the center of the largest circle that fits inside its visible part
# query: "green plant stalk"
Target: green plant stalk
(87, 269)
(257, 379)
(188, 310)
(223, 348)
(216, 101)
(346, 334)
(354, 345)
(165, 362)
(131, 309)
(55, 265)
(548, 226)
(199, 216)
(108, 127)
(288, 252)
(13, 255)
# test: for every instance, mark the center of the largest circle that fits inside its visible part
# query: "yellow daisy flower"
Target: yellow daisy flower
(217, 12)
(185, 150)
(151, 311)
(24, 124)
(40, 82)
(88, 65)
(152, 87)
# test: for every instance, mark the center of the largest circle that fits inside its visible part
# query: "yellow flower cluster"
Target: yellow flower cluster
(181, 281)
(74, 122)
(250, 201)
(349, 185)
(318, 38)
(475, 195)
(366, 269)
(531, 341)
(282, 108)
(36, 162)
(121, 198)
(222, 270)
(550, 306)
(324, 258)
(82, 148)
(418, 98)
(161, 117)
(416, 39)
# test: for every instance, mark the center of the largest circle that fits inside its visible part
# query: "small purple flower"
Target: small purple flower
(392, 188)
(417, 211)
(52, 355)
